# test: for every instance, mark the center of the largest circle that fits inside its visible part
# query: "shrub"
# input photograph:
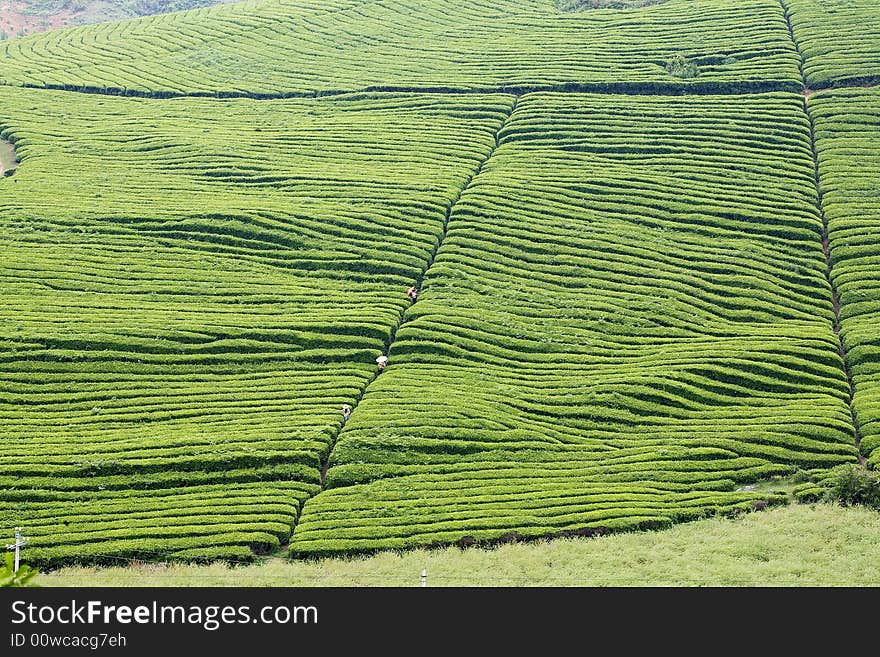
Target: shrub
(681, 67)
(854, 485)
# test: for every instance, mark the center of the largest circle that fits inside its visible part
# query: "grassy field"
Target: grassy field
(821, 545)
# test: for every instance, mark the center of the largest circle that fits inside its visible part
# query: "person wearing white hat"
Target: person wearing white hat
(382, 361)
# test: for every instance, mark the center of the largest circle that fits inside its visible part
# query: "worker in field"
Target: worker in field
(346, 411)
(382, 362)
(412, 293)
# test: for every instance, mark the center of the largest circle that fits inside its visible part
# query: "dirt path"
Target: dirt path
(8, 158)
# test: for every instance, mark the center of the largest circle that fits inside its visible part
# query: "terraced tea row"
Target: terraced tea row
(276, 48)
(848, 143)
(839, 39)
(628, 321)
(251, 510)
(192, 288)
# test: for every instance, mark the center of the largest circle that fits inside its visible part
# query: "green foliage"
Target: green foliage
(816, 545)
(854, 485)
(802, 477)
(627, 323)
(10, 577)
(681, 67)
(503, 45)
(840, 40)
(187, 522)
(847, 128)
(809, 493)
(617, 331)
(248, 260)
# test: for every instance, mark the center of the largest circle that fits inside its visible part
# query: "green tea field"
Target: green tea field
(643, 243)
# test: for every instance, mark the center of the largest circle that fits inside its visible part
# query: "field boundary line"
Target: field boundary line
(430, 262)
(606, 89)
(826, 242)
(610, 89)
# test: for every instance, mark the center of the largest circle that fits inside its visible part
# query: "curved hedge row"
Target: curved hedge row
(848, 144)
(628, 318)
(192, 288)
(276, 47)
(839, 39)
(223, 521)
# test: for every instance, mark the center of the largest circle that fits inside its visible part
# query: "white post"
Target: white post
(424, 577)
(19, 543)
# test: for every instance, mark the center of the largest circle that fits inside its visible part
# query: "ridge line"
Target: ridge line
(826, 242)
(430, 262)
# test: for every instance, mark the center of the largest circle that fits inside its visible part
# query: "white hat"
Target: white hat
(382, 359)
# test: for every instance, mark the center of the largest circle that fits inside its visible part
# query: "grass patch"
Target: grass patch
(818, 545)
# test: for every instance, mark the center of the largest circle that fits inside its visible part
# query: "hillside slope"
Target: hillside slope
(188, 298)
(592, 350)
(277, 47)
(839, 40)
(643, 249)
(847, 124)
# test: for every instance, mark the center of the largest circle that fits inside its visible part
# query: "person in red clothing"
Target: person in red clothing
(412, 293)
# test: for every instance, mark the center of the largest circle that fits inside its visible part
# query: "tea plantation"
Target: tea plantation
(192, 290)
(277, 47)
(848, 141)
(592, 351)
(839, 39)
(644, 247)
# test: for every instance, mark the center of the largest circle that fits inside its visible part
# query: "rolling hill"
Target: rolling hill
(643, 239)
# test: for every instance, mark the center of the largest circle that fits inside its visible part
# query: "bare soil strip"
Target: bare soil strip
(8, 158)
